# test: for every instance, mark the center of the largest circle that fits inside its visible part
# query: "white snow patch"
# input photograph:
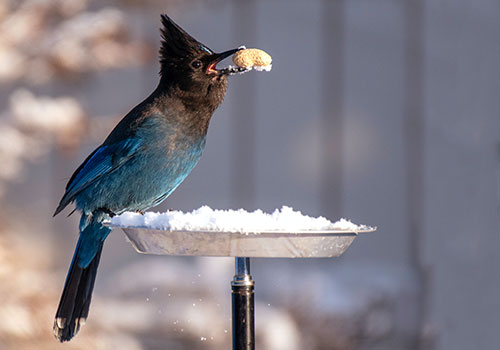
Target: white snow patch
(207, 219)
(263, 68)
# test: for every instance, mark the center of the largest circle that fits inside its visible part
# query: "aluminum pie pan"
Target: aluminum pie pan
(268, 244)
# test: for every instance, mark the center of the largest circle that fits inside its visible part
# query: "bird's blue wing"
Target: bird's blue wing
(103, 160)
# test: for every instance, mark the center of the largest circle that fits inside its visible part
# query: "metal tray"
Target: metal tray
(277, 244)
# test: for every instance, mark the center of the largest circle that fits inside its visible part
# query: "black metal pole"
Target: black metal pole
(243, 306)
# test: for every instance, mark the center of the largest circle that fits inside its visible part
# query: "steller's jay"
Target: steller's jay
(146, 156)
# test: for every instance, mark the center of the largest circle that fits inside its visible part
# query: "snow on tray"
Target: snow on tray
(207, 219)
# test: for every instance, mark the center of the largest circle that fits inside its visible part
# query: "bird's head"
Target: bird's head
(190, 65)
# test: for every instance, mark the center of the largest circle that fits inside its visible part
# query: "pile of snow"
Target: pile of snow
(263, 68)
(207, 219)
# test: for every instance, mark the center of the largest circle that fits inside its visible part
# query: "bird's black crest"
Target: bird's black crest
(177, 45)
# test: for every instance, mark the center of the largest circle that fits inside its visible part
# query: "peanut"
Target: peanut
(252, 57)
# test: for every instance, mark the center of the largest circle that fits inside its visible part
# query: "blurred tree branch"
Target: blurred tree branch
(43, 42)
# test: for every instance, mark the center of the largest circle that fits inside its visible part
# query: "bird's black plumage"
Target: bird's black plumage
(146, 156)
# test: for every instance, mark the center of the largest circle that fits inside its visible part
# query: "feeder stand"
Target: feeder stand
(296, 244)
(243, 311)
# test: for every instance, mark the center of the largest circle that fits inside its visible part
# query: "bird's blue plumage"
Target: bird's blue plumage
(136, 173)
(104, 160)
(92, 236)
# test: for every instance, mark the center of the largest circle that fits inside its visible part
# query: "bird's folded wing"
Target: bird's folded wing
(103, 160)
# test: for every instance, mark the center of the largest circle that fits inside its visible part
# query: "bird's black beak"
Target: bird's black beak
(217, 57)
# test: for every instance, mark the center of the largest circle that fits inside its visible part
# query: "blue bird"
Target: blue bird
(146, 156)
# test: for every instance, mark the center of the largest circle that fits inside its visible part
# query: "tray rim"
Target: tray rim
(368, 229)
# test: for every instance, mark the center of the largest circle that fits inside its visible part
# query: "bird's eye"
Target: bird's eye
(196, 64)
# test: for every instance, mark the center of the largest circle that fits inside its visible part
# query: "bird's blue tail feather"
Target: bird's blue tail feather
(77, 293)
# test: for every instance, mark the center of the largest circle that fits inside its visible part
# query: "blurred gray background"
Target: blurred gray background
(381, 111)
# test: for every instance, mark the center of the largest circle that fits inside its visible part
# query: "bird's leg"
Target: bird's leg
(107, 211)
